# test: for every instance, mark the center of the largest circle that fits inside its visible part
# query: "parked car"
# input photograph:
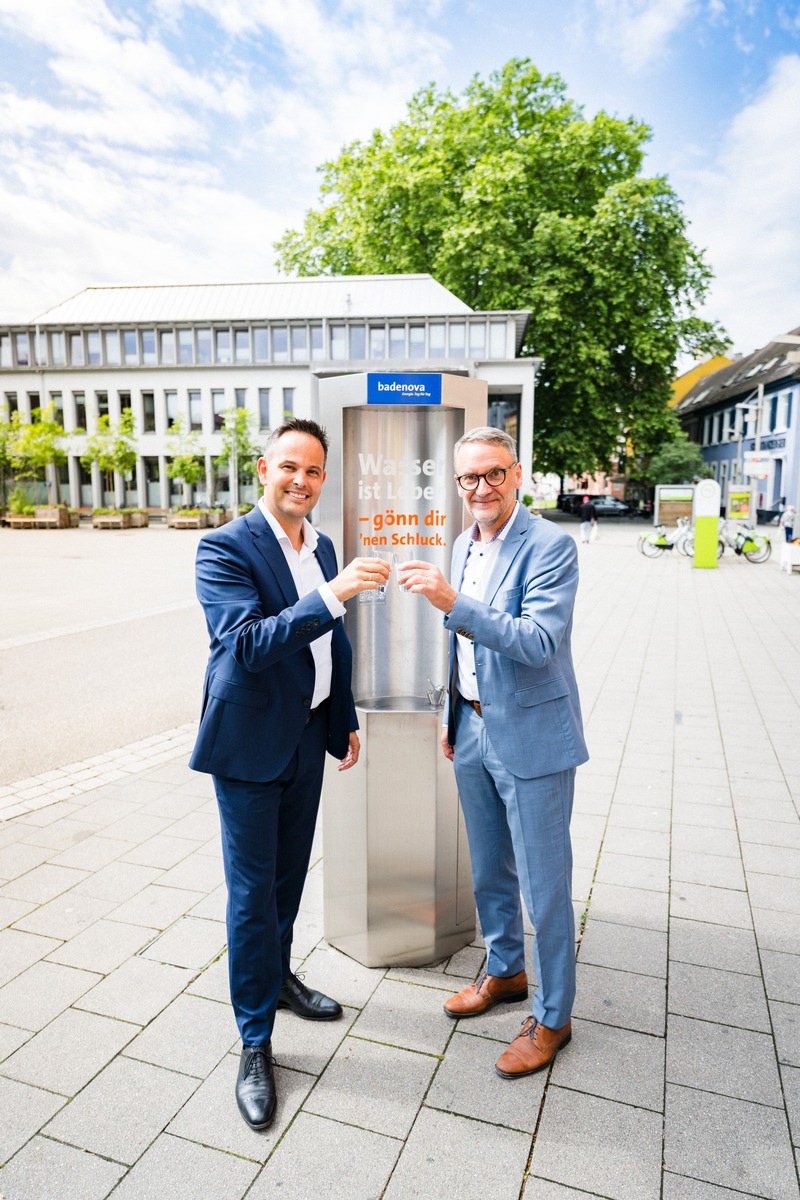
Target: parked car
(610, 506)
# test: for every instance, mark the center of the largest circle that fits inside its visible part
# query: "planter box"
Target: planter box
(117, 520)
(217, 518)
(17, 521)
(139, 520)
(51, 517)
(180, 521)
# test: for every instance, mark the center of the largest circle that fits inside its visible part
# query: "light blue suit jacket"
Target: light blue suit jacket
(523, 660)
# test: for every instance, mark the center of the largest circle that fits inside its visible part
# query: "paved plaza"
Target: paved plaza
(118, 1048)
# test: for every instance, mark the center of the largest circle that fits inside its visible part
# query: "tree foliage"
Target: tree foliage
(512, 199)
(112, 447)
(33, 445)
(239, 445)
(678, 462)
(187, 457)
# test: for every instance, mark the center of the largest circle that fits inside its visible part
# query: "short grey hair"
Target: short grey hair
(490, 435)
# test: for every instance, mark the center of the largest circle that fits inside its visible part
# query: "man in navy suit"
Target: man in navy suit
(514, 734)
(276, 698)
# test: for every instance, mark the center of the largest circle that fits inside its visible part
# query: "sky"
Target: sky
(172, 141)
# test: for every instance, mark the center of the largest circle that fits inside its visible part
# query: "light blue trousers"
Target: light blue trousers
(518, 832)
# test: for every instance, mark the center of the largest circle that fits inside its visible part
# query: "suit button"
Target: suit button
(316, 622)
(306, 702)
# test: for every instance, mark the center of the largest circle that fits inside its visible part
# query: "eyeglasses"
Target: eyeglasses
(497, 475)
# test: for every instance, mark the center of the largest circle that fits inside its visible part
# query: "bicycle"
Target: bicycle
(742, 539)
(653, 545)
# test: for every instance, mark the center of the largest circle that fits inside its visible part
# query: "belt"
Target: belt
(476, 704)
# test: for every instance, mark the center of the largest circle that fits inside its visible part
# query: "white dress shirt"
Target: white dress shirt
(307, 576)
(477, 570)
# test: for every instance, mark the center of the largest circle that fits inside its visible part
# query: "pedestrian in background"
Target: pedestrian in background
(588, 518)
(787, 521)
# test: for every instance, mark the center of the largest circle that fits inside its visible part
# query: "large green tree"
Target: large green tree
(511, 198)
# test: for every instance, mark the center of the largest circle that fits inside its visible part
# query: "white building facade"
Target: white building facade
(197, 351)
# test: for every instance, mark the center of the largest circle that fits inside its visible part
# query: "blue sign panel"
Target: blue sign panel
(404, 389)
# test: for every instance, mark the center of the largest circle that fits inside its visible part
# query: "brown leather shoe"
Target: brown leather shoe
(534, 1047)
(485, 992)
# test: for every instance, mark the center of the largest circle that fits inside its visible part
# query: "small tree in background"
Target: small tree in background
(240, 450)
(678, 462)
(112, 448)
(187, 457)
(34, 446)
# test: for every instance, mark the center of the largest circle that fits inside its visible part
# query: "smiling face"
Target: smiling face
(489, 506)
(292, 477)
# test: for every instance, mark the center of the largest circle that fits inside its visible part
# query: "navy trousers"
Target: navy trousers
(267, 833)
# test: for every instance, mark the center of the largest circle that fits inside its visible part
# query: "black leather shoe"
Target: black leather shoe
(306, 1003)
(255, 1086)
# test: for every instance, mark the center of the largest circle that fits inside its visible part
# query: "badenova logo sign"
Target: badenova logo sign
(404, 389)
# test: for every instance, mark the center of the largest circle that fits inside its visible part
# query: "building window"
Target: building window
(23, 353)
(79, 404)
(130, 347)
(12, 404)
(149, 411)
(477, 339)
(76, 350)
(263, 408)
(773, 414)
(706, 431)
(58, 350)
(280, 344)
(416, 341)
(204, 345)
(57, 402)
(112, 345)
(338, 342)
(94, 354)
(436, 345)
(377, 341)
(497, 339)
(171, 405)
(241, 345)
(397, 341)
(299, 335)
(34, 406)
(789, 396)
(317, 343)
(167, 338)
(40, 349)
(195, 410)
(124, 401)
(458, 332)
(288, 403)
(149, 347)
(503, 413)
(260, 344)
(358, 342)
(185, 347)
(222, 345)
(5, 350)
(240, 397)
(101, 400)
(218, 408)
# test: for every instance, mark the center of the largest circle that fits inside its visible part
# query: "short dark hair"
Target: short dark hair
(297, 425)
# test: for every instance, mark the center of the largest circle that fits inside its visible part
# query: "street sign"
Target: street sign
(756, 465)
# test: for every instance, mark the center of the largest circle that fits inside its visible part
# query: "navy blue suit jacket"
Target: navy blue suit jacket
(260, 676)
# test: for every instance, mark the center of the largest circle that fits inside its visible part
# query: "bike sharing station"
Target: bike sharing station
(705, 514)
(398, 886)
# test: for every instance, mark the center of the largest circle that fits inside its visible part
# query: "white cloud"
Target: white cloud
(744, 210)
(639, 30)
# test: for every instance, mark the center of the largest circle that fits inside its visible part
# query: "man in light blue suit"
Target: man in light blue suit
(513, 731)
(276, 698)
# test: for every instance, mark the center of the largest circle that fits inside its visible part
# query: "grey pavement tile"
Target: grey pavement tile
(771, 859)
(638, 816)
(467, 1083)
(213, 906)
(500, 1023)
(136, 991)
(211, 1115)
(156, 907)
(435, 977)
(715, 870)
(198, 826)
(163, 851)
(625, 947)
(136, 827)
(57, 835)
(107, 808)
(543, 1189)
(21, 857)
(341, 977)
(781, 975)
(446, 1154)
(308, 932)
(696, 795)
(11, 1038)
(102, 947)
(629, 906)
(777, 892)
(709, 1056)
(466, 964)
(213, 983)
(731, 1143)
(719, 842)
(190, 942)
(721, 946)
(92, 853)
(328, 1160)
(14, 910)
(65, 916)
(43, 883)
(118, 881)
(694, 774)
(620, 998)
(199, 872)
(122, 1110)
(678, 1187)
(758, 832)
(765, 809)
(308, 1045)
(713, 995)
(584, 851)
(68, 1052)
(776, 931)
(790, 1077)
(46, 1170)
(617, 1064)
(647, 842)
(19, 950)
(786, 1025)
(648, 798)
(599, 1146)
(406, 1015)
(708, 816)
(32, 999)
(588, 825)
(582, 881)
(719, 906)
(192, 1035)
(347, 1088)
(185, 1171)
(25, 1109)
